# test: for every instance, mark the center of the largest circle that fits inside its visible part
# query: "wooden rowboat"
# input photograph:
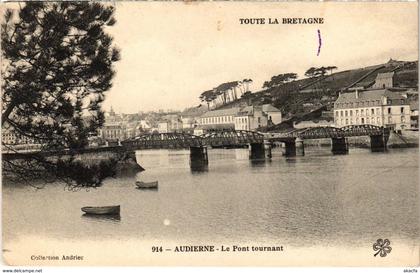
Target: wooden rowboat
(102, 210)
(147, 185)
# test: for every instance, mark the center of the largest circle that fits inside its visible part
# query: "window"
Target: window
(363, 121)
(389, 110)
(259, 120)
(346, 113)
(402, 110)
(336, 113)
(372, 111)
(351, 113)
(341, 113)
(362, 112)
(347, 121)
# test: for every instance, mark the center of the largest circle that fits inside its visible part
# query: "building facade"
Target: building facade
(219, 119)
(384, 80)
(112, 131)
(380, 107)
(250, 118)
(247, 118)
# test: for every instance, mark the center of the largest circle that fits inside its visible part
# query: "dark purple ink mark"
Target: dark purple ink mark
(320, 42)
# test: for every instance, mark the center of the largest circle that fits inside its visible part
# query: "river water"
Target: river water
(314, 201)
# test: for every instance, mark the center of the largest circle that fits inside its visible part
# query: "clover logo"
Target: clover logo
(382, 247)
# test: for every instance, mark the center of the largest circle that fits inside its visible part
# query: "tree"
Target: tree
(320, 71)
(280, 80)
(310, 73)
(207, 97)
(58, 65)
(331, 68)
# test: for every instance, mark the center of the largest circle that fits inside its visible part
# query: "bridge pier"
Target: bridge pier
(256, 150)
(289, 148)
(300, 148)
(339, 145)
(378, 143)
(198, 156)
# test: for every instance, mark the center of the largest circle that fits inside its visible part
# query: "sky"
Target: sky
(173, 51)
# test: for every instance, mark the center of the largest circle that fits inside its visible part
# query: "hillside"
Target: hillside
(305, 95)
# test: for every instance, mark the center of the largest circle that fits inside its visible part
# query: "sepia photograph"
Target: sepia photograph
(210, 133)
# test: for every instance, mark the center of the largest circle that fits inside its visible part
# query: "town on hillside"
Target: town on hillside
(383, 95)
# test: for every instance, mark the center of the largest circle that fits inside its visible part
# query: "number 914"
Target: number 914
(157, 249)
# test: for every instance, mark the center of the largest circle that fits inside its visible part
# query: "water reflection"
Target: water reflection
(146, 189)
(102, 218)
(198, 167)
(259, 162)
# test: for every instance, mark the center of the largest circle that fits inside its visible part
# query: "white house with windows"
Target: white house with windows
(250, 118)
(380, 107)
(247, 118)
(219, 119)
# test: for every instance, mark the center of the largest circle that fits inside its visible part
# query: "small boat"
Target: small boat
(102, 210)
(147, 185)
(102, 217)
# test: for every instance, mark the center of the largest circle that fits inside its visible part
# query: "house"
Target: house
(10, 137)
(380, 107)
(384, 80)
(218, 119)
(112, 131)
(414, 114)
(250, 118)
(273, 114)
(170, 123)
(240, 118)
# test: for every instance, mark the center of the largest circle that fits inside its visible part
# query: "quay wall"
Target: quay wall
(126, 161)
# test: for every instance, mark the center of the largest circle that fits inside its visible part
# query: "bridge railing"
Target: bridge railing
(330, 132)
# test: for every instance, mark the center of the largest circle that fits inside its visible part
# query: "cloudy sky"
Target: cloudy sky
(171, 52)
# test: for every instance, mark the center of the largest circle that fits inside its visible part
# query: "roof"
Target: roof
(222, 112)
(269, 108)
(246, 111)
(368, 95)
(385, 75)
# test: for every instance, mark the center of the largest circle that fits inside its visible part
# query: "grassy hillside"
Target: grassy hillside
(305, 95)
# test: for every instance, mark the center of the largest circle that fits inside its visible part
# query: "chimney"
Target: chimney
(357, 93)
